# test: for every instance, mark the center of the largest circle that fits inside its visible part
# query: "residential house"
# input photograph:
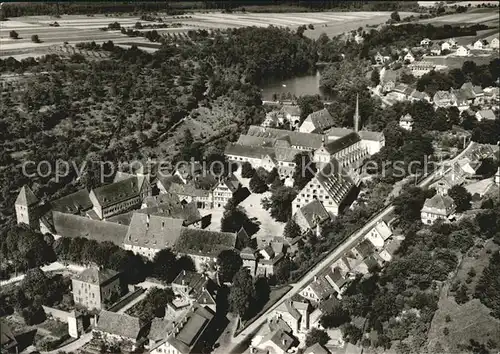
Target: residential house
(189, 193)
(406, 122)
(446, 182)
(409, 57)
(444, 99)
(190, 335)
(473, 94)
(187, 171)
(292, 114)
(389, 250)
(332, 186)
(249, 259)
(149, 234)
(485, 114)
(125, 193)
(295, 314)
(462, 99)
(462, 51)
(224, 190)
(436, 49)
(276, 342)
(324, 285)
(437, 207)
(317, 122)
(425, 42)
(372, 142)
(419, 96)
(119, 328)
(445, 46)
(196, 287)
(26, 206)
(400, 92)
(478, 44)
(452, 42)
(311, 216)
(93, 287)
(419, 68)
(494, 44)
(379, 59)
(272, 120)
(269, 257)
(491, 94)
(316, 348)
(390, 79)
(379, 234)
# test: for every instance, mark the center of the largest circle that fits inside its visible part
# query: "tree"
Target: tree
(461, 296)
(13, 34)
(35, 38)
(35, 283)
(304, 171)
(316, 336)
(235, 218)
(228, 262)
(247, 171)
(291, 230)
(309, 104)
(375, 77)
(409, 204)
(395, 16)
(242, 293)
(271, 177)
(337, 317)
(280, 203)
(165, 265)
(257, 185)
(461, 197)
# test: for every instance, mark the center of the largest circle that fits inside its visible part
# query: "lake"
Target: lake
(298, 86)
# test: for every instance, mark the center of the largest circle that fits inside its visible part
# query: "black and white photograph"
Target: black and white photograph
(250, 177)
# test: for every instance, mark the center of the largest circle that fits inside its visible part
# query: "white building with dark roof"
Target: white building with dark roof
(317, 122)
(439, 207)
(406, 122)
(116, 328)
(324, 285)
(311, 216)
(379, 234)
(294, 313)
(92, 287)
(26, 206)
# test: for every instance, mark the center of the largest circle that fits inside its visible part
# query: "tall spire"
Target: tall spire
(356, 114)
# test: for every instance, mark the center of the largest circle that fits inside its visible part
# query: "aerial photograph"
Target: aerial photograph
(250, 177)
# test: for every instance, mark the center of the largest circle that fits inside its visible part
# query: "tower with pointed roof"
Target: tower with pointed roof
(26, 207)
(356, 115)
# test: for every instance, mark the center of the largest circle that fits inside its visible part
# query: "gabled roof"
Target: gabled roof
(26, 197)
(195, 282)
(117, 192)
(292, 110)
(321, 287)
(204, 242)
(188, 189)
(231, 182)
(7, 338)
(69, 225)
(96, 276)
(153, 231)
(160, 329)
(73, 203)
(289, 307)
(313, 213)
(406, 118)
(119, 324)
(338, 132)
(342, 143)
(365, 248)
(443, 95)
(335, 180)
(440, 203)
(373, 136)
(419, 95)
(383, 229)
(316, 348)
(487, 114)
(281, 339)
(321, 119)
(308, 140)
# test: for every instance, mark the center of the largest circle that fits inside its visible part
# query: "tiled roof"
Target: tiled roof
(204, 242)
(73, 203)
(118, 324)
(307, 140)
(96, 276)
(26, 197)
(289, 307)
(316, 348)
(191, 328)
(383, 230)
(285, 154)
(321, 119)
(338, 132)
(419, 95)
(292, 110)
(365, 248)
(69, 225)
(195, 282)
(153, 231)
(335, 180)
(487, 114)
(443, 95)
(258, 152)
(368, 135)
(281, 339)
(188, 189)
(406, 118)
(117, 192)
(160, 329)
(334, 277)
(252, 140)
(440, 203)
(231, 182)
(342, 143)
(322, 287)
(313, 213)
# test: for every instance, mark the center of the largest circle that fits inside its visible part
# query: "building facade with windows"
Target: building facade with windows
(94, 286)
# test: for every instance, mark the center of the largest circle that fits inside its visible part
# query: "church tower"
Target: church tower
(26, 207)
(356, 115)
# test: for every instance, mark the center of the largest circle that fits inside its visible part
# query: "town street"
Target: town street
(332, 257)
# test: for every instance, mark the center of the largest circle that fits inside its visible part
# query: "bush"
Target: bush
(13, 35)
(35, 39)
(247, 170)
(257, 185)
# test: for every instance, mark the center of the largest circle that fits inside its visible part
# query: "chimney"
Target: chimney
(356, 115)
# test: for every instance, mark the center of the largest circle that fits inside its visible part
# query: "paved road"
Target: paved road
(332, 257)
(55, 266)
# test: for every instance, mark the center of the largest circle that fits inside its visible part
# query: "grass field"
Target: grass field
(470, 17)
(76, 28)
